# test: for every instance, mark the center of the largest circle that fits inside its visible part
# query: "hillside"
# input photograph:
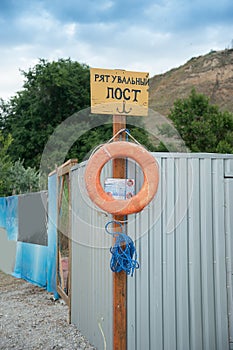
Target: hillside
(211, 74)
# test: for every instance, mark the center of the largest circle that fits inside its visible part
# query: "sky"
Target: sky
(138, 35)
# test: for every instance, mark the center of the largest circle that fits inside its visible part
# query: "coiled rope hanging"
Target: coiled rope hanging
(124, 255)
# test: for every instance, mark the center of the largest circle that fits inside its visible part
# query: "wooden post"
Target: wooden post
(63, 175)
(119, 278)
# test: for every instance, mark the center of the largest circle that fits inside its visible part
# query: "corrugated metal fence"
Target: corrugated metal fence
(91, 286)
(180, 298)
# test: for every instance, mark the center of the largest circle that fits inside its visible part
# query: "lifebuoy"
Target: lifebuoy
(122, 149)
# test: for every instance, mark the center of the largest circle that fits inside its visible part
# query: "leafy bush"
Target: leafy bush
(23, 180)
(203, 127)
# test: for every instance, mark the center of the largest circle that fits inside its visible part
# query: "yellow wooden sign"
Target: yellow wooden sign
(119, 92)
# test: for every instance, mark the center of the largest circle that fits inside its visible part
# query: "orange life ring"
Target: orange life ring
(122, 149)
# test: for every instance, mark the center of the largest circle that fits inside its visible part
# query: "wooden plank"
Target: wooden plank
(59, 170)
(63, 176)
(60, 193)
(60, 270)
(65, 168)
(68, 162)
(119, 278)
(63, 295)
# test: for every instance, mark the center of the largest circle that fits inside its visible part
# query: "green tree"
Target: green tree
(14, 177)
(52, 91)
(5, 164)
(203, 127)
(21, 179)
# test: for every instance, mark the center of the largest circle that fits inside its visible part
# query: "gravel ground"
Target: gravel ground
(30, 319)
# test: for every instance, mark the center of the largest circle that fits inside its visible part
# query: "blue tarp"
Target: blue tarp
(9, 216)
(34, 263)
(3, 212)
(12, 217)
(31, 263)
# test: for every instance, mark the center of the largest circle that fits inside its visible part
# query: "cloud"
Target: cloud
(97, 11)
(152, 36)
(185, 16)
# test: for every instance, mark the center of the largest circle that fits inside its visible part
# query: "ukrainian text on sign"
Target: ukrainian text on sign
(119, 92)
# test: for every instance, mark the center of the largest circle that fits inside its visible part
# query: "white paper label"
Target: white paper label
(119, 188)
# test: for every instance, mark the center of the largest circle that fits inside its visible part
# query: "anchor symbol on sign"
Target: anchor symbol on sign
(124, 110)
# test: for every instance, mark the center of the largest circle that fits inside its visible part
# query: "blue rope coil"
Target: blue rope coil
(124, 255)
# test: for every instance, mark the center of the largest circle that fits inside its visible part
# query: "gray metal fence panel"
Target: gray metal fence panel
(219, 250)
(91, 290)
(229, 168)
(178, 298)
(229, 252)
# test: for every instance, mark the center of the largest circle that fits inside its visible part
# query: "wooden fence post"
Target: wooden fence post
(119, 278)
